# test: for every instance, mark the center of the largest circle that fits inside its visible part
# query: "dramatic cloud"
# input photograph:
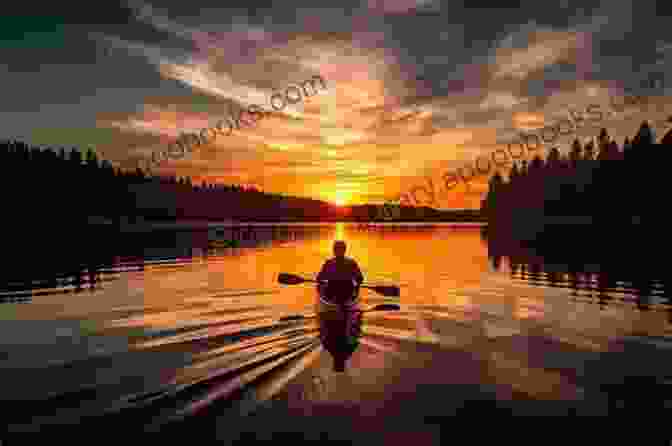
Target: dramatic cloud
(415, 87)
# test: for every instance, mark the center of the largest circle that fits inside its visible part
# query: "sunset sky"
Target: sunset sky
(415, 87)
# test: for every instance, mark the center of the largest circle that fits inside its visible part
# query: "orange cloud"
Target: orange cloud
(375, 130)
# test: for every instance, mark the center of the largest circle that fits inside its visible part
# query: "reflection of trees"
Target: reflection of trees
(554, 278)
(78, 260)
(613, 281)
(605, 281)
(573, 283)
(535, 273)
(515, 267)
(643, 287)
(496, 262)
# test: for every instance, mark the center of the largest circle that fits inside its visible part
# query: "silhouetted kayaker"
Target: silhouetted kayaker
(343, 275)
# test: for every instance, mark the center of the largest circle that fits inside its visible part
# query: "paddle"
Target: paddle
(385, 290)
(381, 307)
(384, 307)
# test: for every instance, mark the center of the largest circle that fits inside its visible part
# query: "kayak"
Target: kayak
(339, 294)
(340, 326)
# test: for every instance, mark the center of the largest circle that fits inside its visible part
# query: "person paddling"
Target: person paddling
(343, 277)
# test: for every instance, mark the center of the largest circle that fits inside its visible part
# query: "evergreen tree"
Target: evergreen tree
(603, 146)
(603, 139)
(496, 181)
(575, 153)
(537, 164)
(514, 174)
(667, 139)
(613, 151)
(553, 158)
(589, 151)
(91, 159)
(75, 157)
(645, 135)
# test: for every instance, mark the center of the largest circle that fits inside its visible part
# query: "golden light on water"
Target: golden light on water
(340, 231)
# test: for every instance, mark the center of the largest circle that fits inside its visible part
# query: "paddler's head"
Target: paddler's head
(339, 248)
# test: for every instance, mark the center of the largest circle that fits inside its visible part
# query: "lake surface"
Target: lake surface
(176, 322)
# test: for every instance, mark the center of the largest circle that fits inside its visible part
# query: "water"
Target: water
(172, 323)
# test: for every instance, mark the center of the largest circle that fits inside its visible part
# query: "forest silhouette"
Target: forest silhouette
(75, 187)
(594, 194)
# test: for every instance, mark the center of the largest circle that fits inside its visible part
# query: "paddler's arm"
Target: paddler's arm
(321, 275)
(327, 271)
(359, 278)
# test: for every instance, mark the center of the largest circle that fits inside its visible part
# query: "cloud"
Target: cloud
(408, 92)
(497, 100)
(542, 48)
(399, 6)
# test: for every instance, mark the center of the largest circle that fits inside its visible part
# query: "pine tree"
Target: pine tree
(553, 158)
(514, 174)
(91, 159)
(644, 136)
(575, 154)
(667, 139)
(537, 164)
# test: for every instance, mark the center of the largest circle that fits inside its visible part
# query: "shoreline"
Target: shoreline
(126, 221)
(143, 224)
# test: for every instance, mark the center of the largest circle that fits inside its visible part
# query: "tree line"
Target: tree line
(74, 184)
(599, 180)
(69, 186)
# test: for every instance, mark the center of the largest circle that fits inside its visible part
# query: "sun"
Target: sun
(340, 199)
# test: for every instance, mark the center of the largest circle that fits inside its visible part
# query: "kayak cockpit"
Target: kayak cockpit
(339, 292)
